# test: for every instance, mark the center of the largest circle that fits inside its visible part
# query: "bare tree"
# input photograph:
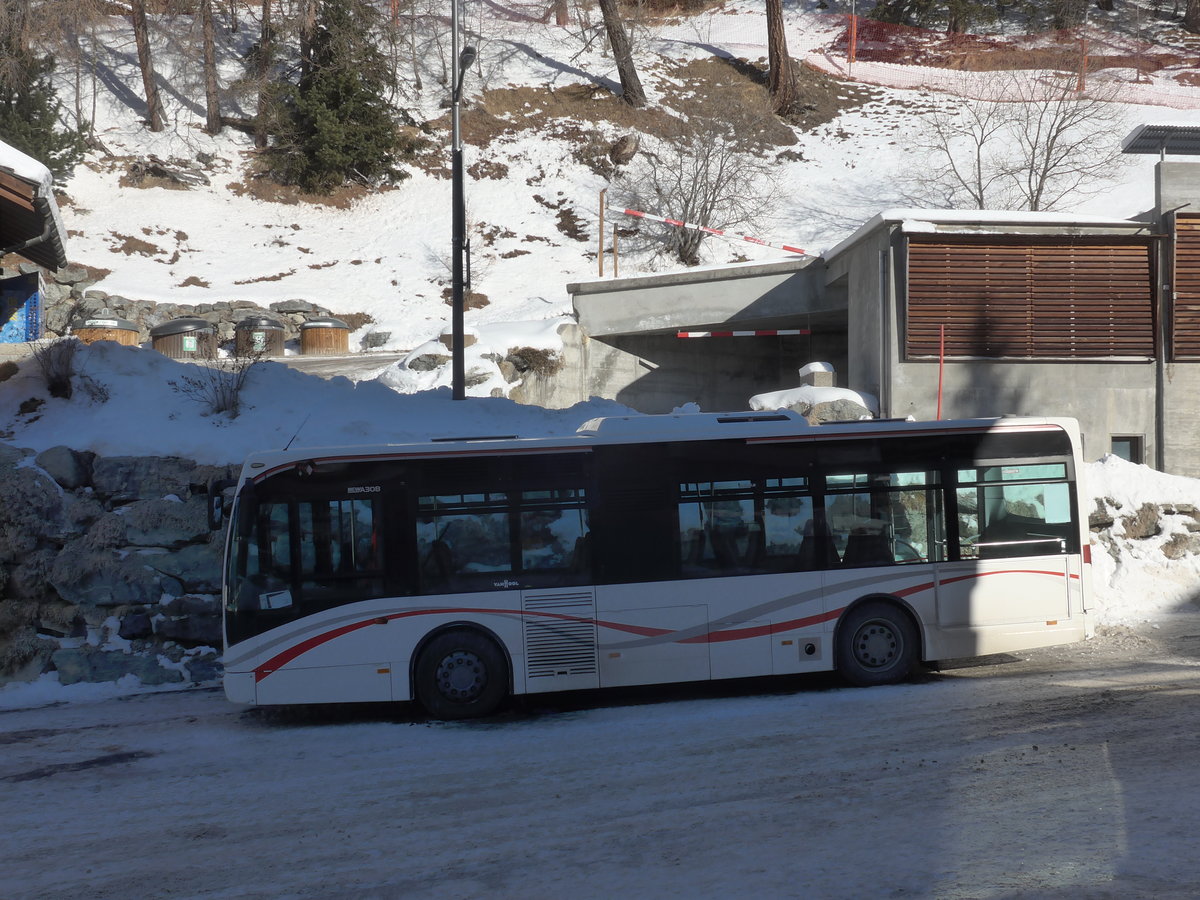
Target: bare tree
(1191, 16)
(264, 59)
(967, 156)
(1041, 148)
(618, 39)
(704, 178)
(141, 34)
(781, 80)
(212, 98)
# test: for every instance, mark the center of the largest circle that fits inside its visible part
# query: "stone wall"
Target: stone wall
(69, 297)
(107, 567)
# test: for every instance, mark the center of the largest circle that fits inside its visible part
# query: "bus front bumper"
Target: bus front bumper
(239, 687)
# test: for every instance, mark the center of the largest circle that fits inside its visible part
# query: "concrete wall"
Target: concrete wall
(1107, 398)
(657, 373)
(626, 346)
(862, 276)
(1181, 419)
(1177, 188)
(762, 293)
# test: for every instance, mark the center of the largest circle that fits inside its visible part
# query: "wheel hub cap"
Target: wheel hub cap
(876, 645)
(461, 676)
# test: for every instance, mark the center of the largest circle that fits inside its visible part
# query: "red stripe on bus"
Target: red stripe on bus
(711, 637)
(279, 660)
(738, 634)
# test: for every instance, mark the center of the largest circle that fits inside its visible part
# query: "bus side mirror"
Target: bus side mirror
(216, 501)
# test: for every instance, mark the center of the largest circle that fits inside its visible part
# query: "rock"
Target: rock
(94, 578)
(376, 339)
(195, 568)
(206, 667)
(71, 275)
(624, 149)
(135, 626)
(1181, 545)
(427, 362)
(67, 467)
(166, 523)
(90, 664)
(294, 306)
(192, 630)
(126, 478)
(834, 411)
(1142, 524)
(106, 533)
(30, 578)
(32, 506)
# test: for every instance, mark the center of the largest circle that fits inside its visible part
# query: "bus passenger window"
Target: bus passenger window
(718, 530)
(887, 518)
(554, 532)
(1013, 511)
(463, 541)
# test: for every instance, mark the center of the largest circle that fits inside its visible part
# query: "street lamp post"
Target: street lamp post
(458, 374)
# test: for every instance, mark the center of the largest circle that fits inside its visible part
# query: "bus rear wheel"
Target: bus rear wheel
(876, 644)
(461, 674)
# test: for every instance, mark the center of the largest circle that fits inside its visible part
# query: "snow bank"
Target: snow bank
(1134, 580)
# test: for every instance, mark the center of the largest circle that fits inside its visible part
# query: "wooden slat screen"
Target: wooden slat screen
(1185, 310)
(1030, 297)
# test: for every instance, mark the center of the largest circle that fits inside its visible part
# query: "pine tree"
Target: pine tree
(30, 116)
(335, 126)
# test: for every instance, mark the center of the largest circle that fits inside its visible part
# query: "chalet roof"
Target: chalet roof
(29, 221)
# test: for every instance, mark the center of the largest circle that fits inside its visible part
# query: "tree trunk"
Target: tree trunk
(1191, 16)
(265, 51)
(212, 99)
(781, 79)
(141, 34)
(631, 85)
(307, 27)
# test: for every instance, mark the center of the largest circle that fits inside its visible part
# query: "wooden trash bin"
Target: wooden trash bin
(185, 338)
(258, 336)
(325, 336)
(103, 328)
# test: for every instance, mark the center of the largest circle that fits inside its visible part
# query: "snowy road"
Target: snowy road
(1066, 773)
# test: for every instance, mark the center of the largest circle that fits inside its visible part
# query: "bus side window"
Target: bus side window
(890, 518)
(1014, 515)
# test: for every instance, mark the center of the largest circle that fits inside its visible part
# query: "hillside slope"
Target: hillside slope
(538, 120)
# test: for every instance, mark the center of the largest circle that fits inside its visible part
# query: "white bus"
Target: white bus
(649, 549)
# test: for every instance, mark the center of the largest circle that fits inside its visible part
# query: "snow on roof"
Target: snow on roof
(26, 168)
(917, 221)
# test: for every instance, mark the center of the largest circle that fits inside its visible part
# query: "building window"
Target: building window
(1129, 447)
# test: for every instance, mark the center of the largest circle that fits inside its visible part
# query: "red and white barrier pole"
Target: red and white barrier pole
(718, 232)
(774, 332)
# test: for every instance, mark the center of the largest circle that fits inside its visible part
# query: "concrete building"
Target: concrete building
(1037, 313)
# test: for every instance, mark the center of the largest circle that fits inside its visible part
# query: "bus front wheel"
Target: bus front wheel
(461, 674)
(876, 644)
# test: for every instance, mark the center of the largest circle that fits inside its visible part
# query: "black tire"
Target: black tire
(461, 674)
(876, 644)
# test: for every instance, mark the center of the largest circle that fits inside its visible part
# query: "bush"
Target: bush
(56, 359)
(217, 384)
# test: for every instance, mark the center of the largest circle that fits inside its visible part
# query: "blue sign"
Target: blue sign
(21, 308)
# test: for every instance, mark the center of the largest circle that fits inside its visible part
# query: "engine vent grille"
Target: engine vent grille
(556, 646)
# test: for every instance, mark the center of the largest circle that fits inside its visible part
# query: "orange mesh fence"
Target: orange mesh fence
(906, 57)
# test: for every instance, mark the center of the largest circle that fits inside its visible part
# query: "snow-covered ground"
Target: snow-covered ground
(1057, 775)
